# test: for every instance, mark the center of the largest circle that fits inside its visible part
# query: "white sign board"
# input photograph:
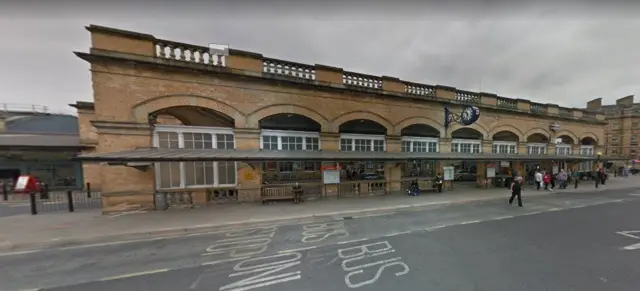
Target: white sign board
(21, 184)
(331, 176)
(448, 173)
(491, 172)
(504, 164)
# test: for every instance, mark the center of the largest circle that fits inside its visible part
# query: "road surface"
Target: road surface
(556, 242)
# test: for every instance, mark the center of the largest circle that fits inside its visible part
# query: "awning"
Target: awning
(177, 155)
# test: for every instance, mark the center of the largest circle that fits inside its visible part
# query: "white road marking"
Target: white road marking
(503, 217)
(297, 250)
(373, 215)
(532, 213)
(123, 276)
(398, 233)
(351, 241)
(36, 289)
(223, 261)
(435, 227)
(632, 247)
(19, 253)
(629, 233)
(470, 222)
(555, 209)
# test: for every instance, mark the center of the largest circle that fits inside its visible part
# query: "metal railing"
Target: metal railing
(45, 200)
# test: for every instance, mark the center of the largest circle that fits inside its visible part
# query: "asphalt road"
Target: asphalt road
(556, 242)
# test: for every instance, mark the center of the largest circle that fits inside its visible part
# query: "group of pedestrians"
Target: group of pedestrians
(548, 181)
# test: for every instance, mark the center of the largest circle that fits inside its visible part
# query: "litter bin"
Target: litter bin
(161, 201)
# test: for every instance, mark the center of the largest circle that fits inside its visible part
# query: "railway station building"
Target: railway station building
(170, 117)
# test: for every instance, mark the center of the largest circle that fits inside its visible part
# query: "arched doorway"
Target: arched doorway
(537, 144)
(420, 138)
(362, 135)
(564, 143)
(587, 149)
(505, 142)
(468, 141)
(192, 127)
(290, 132)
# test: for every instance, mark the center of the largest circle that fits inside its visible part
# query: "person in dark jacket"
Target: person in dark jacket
(298, 191)
(516, 191)
(439, 182)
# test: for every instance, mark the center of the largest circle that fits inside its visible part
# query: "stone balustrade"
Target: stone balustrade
(254, 64)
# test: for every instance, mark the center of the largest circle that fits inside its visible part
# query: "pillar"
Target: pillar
(249, 181)
(393, 176)
(482, 174)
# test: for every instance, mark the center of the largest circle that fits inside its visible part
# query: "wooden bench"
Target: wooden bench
(277, 193)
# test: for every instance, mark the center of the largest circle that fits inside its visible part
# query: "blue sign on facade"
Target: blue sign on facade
(467, 117)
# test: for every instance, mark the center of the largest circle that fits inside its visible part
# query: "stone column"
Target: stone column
(249, 174)
(249, 181)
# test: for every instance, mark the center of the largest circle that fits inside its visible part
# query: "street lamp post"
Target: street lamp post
(597, 176)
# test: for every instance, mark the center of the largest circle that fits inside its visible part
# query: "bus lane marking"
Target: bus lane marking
(357, 259)
(264, 271)
(242, 243)
(317, 232)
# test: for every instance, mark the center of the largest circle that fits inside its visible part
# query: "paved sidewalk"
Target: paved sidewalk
(22, 232)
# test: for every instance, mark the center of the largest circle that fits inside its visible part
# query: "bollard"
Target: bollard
(5, 192)
(88, 190)
(70, 200)
(44, 191)
(32, 200)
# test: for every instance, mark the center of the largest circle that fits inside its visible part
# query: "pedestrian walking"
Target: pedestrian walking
(546, 180)
(516, 191)
(538, 179)
(562, 179)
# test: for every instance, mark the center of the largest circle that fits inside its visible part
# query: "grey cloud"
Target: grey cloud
(565, 54)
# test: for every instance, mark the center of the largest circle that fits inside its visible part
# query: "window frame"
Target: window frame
(180, 130)
(353, 137)
(412, 139)
(290, 133)
(471, 142)
(509, 144)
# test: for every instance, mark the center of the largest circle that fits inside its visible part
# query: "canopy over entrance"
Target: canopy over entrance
(175, 155)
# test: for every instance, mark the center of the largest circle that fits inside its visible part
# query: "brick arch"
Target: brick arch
(339, 120)
(418, 120)
(475, 126)
(141, 110)
(537, 130)
(570, 134)
(591, 135)
(509, 128)
(253, 118)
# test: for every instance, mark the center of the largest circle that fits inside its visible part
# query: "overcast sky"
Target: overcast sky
(566, 54)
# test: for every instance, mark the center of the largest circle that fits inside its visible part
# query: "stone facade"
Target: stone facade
(132, 80)
(623, 126)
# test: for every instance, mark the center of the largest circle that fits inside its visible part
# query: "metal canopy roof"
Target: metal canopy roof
(175, 155)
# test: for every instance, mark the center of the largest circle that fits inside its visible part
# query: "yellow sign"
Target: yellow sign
(249, 176)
